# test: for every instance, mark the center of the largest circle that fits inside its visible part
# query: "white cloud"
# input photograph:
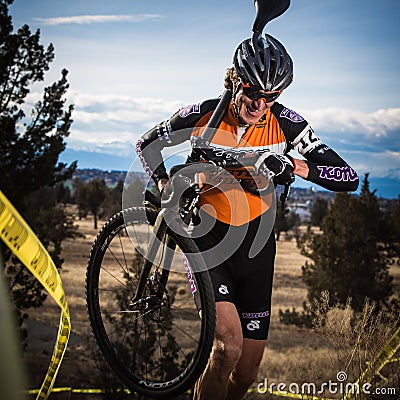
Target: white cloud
(374, 125)
(353, 130)
(148, 110)
(94, 19)
(118, 143)
(93, 109)
(382, 163)
(112, 124)
(378, 128)
(102, 138)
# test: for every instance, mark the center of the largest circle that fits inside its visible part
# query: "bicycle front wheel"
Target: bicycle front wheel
(158, 343)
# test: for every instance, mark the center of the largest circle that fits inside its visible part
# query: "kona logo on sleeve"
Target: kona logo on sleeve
(190, 109)
(291, 115)
(338, 174)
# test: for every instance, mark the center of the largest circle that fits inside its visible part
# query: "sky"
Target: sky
(133, 63)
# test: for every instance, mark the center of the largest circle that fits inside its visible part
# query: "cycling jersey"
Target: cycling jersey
(280, 130)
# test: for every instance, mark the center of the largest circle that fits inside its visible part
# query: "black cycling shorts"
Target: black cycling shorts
(242, 280)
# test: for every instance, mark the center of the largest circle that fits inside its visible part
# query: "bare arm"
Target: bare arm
(300, 168)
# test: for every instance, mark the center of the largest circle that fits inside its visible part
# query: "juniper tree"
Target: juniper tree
(30, 146)
(318, 210)
(349, 257)
(96, 191)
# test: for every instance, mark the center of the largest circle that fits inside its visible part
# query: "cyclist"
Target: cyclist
(253, 122)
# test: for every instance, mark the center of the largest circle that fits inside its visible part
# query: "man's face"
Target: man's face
(252, 108)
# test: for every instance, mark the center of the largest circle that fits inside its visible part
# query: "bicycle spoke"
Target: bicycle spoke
(123, 252)
(116, 258)
(113, 276)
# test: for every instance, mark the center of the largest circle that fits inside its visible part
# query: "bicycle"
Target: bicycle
(154, 328)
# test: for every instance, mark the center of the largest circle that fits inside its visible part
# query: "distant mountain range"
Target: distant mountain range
(298, 196)
(111, 167)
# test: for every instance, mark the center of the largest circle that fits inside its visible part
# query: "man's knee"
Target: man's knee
(228, 341)
(226, 353)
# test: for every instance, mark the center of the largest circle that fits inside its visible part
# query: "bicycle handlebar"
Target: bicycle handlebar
(181, 181)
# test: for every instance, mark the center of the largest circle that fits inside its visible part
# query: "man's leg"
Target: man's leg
(246, 370)
(225, 354)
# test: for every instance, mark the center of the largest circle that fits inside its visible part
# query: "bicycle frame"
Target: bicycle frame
(160, 230)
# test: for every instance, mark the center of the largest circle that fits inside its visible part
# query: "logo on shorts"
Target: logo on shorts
(253, 325)
(223, 289)
(263, 314)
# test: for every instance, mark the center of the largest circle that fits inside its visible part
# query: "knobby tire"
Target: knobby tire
(146, 349)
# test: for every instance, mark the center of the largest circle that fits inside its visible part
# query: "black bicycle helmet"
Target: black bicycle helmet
(264, 63)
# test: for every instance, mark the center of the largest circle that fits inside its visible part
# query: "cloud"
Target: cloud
(374, 125)
(368, 141)
(343, 129)
(95, 19)
(339, 125)
(111, 124)
(112, 109)
(119, 143)
(361, 136)
(381, 163)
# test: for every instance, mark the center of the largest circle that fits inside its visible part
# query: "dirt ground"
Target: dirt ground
(79, 368)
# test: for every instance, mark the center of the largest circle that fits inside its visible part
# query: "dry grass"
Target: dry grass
(293, 354)
(340, 342)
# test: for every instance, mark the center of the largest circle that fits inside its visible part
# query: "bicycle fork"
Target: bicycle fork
(157, 240)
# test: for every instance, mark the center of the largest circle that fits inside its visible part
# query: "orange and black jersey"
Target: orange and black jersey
(280, 130)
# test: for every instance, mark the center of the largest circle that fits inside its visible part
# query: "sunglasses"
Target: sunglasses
(254, 93)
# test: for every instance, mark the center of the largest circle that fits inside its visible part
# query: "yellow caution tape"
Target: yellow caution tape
(20, 238)
(375, 366)
(127, 391)
(287, 394)
(82, 391)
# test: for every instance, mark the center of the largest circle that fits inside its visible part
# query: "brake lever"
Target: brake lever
(285, 195)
